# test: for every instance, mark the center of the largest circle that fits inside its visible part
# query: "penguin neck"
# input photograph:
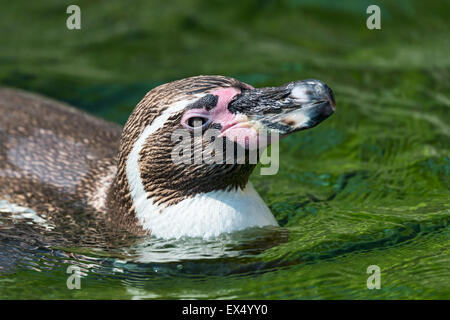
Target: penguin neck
(205, 215)
(201, 214)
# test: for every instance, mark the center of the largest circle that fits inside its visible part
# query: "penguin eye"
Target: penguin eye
(196, 121)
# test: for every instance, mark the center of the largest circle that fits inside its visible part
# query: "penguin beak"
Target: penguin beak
(292, 107)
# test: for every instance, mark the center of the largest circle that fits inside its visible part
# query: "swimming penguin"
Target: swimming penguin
(59, 161)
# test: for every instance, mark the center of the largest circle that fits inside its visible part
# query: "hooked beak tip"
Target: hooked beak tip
(307, 91)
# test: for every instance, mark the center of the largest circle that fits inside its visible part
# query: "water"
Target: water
(369, 186)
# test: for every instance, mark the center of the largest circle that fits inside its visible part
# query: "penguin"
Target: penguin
(57, 161)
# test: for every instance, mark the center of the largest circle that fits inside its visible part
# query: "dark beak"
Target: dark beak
(295, 106)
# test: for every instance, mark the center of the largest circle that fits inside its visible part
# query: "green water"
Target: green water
(369, 186)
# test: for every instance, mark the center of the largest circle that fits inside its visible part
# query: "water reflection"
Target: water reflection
(30, 244)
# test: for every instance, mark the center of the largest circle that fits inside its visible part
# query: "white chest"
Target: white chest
(206, 215)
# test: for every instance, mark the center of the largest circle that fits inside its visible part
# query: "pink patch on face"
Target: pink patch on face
(234, 127)
(220, 113)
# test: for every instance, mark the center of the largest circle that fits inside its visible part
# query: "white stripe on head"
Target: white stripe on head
(138, 193)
